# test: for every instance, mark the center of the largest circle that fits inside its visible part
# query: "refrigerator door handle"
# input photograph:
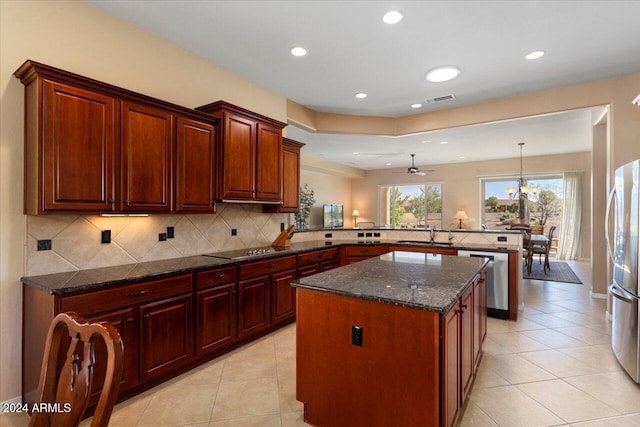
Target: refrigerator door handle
(610, 197)
(621, 294)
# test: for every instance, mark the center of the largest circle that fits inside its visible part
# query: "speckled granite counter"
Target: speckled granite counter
(102, 278)
(415, 280)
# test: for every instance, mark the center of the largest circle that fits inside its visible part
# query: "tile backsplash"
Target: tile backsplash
(76, 238)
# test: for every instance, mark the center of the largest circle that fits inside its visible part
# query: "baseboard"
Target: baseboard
(597, 295)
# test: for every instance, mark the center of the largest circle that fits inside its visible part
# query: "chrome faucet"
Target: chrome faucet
(432, 233)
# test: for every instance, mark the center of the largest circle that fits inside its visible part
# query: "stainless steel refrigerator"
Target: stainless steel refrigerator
(624, 252)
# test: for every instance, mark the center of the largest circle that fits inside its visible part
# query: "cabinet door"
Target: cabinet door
(283, 296)
(195, 166)
(479, 316)
(450, 367)
(125, 323)
(147, 135)
(290, 179)
(466, 341)
(254, 305)
(166, 335)
(236, 163)
(78, 150)
(268, 163)
(216, 318)
(309, 270)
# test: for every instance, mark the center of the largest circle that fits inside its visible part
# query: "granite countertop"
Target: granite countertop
(409, 279)
(72, 282)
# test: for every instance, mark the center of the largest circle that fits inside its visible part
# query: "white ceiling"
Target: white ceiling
(351, 50)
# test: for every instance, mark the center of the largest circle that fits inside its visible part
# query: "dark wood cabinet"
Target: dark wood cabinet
(95, 148)
(147, 176)
(124, 321)
(70, 149)
(166, 335)
(463, 328)
(357, 253)
(249, 166)
(216, 301)
(317, 261)
(195, 176)
(290, 178)
(265, 295)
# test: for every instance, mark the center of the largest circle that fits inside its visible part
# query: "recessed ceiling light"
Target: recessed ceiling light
(461, 157)
(416, 105)
(442, 74)
(425, 141)
(535, 54)
(355, 152)
(360, 95)
(392, 17)
(444, 142)
(298, 51)
(388, 164)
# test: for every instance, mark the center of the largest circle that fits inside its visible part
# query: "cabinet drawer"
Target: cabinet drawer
(109, 299)
(268, 266)
(216, 277)
(317, 256)
(364, 251)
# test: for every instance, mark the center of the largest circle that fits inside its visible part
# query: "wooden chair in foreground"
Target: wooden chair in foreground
(67, 372)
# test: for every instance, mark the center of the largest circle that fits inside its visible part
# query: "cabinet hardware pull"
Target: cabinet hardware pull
(464, 306)
(146, 316)
(110, 200)
(138, 293)
(271, 265)
(126, 202)
(129, 319)
(219, 276)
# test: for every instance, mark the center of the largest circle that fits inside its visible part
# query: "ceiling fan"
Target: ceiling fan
(413, 170)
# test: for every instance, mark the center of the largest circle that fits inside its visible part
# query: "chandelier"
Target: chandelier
(523, 191)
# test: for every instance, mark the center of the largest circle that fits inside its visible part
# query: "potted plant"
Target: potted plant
(307, 199)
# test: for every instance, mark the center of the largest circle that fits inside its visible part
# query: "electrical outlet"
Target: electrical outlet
(328, 235)
(162, 237)
(282, 226)
(376, 234)
(369, 234)
(170, 232)
(234, 232)
(360, 234)
(105, 236)
(356, 335)
(502, 238)
(44, 245)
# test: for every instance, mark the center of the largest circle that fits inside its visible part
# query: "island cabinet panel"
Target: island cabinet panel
(195, 166)
(450, 367)
(70, 152)
(166, 335)
(380, 383)
(249, 164)
(290, 179)
(479, 315)
(467, 364)
(147, 135)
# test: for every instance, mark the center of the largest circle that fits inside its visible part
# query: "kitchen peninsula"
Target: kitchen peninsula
(393, 340)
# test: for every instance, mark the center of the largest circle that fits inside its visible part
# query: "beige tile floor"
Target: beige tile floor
(552, 367)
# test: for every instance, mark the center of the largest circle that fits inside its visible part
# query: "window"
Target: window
(411, 206)
(544, 207)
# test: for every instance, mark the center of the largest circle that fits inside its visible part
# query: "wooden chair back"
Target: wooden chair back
(67, 372)
(525, 227)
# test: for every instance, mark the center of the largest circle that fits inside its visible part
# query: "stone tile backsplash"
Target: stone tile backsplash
(76, 238)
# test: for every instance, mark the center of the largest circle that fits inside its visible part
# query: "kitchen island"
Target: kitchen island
(393, 340)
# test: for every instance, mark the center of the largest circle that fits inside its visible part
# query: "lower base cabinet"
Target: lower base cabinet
(166, 335)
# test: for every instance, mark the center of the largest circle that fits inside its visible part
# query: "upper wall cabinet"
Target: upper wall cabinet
(95, 148)
(249, 166)
(290, 178)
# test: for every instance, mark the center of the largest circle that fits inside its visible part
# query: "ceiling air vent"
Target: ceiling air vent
(442, 98)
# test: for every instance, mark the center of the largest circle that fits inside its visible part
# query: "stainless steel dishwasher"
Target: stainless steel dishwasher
(497, 282)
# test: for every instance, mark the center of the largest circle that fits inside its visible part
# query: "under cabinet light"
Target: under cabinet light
(123, 214)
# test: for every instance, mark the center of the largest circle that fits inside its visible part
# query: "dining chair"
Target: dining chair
(527, 251)
(544, 250)
(66, 376)
(525, 227)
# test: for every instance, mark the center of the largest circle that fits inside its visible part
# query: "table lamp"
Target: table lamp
(460, 215)
(355, 214)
